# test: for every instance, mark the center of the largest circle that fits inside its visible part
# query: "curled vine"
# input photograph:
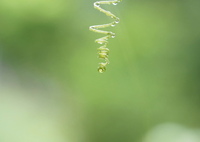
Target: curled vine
(103, 51)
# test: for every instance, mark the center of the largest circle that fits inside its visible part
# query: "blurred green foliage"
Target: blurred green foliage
(154, 72)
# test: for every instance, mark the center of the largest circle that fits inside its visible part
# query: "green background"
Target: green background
(153, 77)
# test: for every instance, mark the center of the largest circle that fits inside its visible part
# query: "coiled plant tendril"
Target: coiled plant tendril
(103, 51)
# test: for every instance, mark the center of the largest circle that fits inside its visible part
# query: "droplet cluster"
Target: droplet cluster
(103, 51)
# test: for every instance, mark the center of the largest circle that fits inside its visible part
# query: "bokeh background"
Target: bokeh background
(50, 90)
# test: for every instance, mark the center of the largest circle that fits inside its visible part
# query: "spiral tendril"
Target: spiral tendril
(103, 51)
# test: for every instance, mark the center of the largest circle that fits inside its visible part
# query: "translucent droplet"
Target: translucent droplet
(115, 3)
(113, 36)
(113, 24)
(97, 4)
(101, 69)
(117, 21)
(99, 42)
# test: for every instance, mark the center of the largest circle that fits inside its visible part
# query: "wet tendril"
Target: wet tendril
(103, 51)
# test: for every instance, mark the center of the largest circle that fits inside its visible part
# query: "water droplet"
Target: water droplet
(115, 3)
(101, 69)
(110, 34)
(117, 21)
(99, 41)
(113, 24)
(97, 4)
(113, 36)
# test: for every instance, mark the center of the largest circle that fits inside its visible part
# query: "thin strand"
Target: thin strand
(103, 51)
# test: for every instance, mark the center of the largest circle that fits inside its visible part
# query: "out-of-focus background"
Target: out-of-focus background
(50, 90)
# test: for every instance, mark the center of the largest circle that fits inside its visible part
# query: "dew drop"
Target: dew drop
(110, 34)
(99, 42)
(101, 69)
(113, 36)
(117, 21)
(113, 24)
(115, 3)
(97, 4)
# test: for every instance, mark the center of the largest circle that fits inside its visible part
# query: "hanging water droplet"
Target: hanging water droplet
(114, 3)
(113, 36)
(100, 42)
(110, 34)
(117, 21)
(97, 4)
(101, 69)
(113, 24)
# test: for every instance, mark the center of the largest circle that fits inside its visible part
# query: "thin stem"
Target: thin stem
(102, 50)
